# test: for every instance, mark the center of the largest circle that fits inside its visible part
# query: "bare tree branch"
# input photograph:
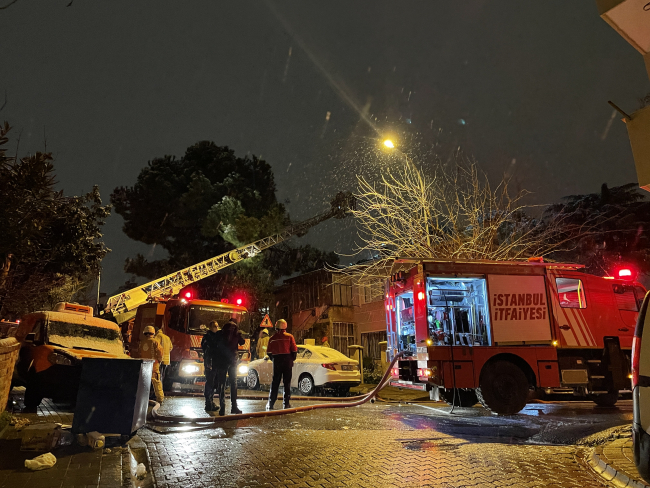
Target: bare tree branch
(453, 214)
(8, 5)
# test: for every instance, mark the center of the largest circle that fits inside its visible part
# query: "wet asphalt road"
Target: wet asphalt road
(382, 444)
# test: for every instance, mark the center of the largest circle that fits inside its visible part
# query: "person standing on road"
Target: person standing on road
(166, 345)
(150, 349)
(262, 343)
(225, 363)
(282, 350)
(209, 345)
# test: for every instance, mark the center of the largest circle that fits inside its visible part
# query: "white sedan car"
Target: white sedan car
(315, 367)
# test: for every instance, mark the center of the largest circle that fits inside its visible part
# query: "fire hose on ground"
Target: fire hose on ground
(355, 401)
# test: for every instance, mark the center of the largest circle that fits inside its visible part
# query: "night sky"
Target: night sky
(522, 86)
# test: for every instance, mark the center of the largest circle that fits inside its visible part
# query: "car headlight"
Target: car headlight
(56, 358)
(190, 368)
(243, 369)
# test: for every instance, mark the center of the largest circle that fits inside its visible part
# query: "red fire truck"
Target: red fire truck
(493, 331)
(186, 321)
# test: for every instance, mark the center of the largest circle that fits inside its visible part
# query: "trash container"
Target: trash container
(113, 395)
(9, 348)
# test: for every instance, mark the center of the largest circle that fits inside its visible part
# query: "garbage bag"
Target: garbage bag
(140, 471)
(44, 461)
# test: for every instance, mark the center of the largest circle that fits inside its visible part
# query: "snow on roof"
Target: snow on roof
(75, 318)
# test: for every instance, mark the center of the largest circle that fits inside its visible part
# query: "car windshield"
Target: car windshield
(84, 336)
(201, 316)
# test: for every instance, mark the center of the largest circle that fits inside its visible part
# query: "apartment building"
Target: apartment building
(326, 304)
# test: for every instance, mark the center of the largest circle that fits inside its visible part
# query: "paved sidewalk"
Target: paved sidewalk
(614, 462)
(76, 466)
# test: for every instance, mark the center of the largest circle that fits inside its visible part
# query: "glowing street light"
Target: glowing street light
(388, 143)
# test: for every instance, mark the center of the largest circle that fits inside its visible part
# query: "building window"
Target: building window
(372, 293)
(342, 295)
(343, 334)
(571, 293)
(370, 343)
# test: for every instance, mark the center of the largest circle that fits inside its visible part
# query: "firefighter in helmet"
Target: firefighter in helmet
(283, 350)
(262, 343)
(149, 348)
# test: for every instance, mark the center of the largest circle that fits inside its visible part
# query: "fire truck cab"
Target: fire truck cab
(493, 331)
(185, 322)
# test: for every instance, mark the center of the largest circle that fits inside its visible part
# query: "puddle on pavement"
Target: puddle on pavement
(431, 445)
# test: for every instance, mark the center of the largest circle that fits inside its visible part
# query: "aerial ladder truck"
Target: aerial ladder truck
(185, 319)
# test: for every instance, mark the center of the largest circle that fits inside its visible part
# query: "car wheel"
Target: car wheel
(306, 384)
(459, 398)
(503, 388)
(253, 380)
(605, 399)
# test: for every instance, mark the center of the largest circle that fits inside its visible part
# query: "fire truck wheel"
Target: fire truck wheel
(605, 399)
(461, 398)
(503, 388)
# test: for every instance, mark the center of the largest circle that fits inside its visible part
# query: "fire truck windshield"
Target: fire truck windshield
(200, 317)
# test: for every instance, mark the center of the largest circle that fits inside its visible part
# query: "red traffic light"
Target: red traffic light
(239, 301)
(188, 294)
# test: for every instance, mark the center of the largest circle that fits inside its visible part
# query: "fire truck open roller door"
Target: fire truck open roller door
(474, 329)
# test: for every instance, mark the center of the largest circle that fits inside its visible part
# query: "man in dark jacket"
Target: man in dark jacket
(209, 348)
(225, 363)
(282, 350)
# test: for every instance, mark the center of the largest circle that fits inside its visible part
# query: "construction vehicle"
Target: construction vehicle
(186, 319)
(494, 331)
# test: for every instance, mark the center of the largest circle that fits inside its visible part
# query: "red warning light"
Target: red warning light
(188, 294)
(627, 273)
(239, 301)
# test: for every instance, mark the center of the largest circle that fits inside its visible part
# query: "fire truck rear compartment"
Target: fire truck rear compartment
(457, 313)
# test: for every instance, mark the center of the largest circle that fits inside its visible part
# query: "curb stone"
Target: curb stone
(599, 463)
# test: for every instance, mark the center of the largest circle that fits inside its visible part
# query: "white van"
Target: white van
(641, 392)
